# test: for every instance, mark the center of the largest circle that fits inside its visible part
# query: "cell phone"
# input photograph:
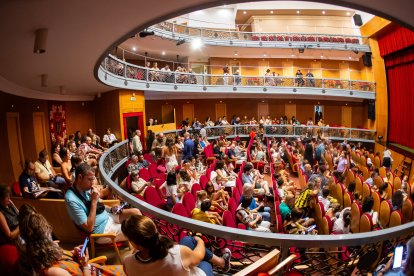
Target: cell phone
(311, 228)
(85, 245)
(398, 255)
(121, 207)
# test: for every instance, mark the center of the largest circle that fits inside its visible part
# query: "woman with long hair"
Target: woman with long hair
(56, 160)
(9, 224)
(169, 152)
(66, 167)
(158, 255)
(40, 255)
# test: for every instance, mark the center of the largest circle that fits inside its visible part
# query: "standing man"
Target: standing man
(310, 79)
(188, 146)
(136, 142)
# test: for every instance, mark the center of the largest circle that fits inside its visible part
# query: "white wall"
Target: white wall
(222, 18)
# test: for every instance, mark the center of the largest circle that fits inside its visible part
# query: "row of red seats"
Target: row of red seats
(308, 38)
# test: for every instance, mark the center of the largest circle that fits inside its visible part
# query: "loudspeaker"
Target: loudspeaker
(357, 20)
(366, 59)
(371, 109)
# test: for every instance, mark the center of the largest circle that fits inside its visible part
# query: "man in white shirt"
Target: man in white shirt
(45, 173)
(203, 132)
(109, 138)
(136, 142)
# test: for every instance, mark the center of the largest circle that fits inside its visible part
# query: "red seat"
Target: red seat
(154, 172)
(148, 157)
(195, 189)
(16, 189)
(189, 203)
(239, 185)
(144, 174)
(232, 207)
(9, 257)
(236, 194)
(180, 210)
(228, 219)
(203, 181)
(366, 224)
(208, 173)
(152, 197)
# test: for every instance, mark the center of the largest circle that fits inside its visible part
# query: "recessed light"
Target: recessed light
(264, 55)
(271, 12)
(348, 13)
(235, 53)
(134, 48)
(297, 12)
(244, 12)
(163, 53)
(196, 43)
(323, 12)
(293, 55)
(350, 58)
(321, 56)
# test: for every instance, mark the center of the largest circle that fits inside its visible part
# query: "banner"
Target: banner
(57, 122)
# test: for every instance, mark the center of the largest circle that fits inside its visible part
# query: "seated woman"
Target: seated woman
(397, 200)
(158, 255)
(56, 160)
(9, 223)
(190, 170)
(342, 224)
(223, 177)
(202, 213)
(219, 198)
(383, 191)
(185, 182)
(260, 208)
(252, 221)
(66, 167)
(296, 224)
(137, 185)
(367, 205)
(40, 255)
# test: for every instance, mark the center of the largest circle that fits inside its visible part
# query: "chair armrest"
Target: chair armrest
(111, 202)
(108, 235)
(282, 264)
(98, 260)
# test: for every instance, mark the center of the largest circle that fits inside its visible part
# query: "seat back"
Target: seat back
(236, 194)
(228, 219)
(208, 173)
(395, 218)
(377, 162)
(356, 211)
(9, 258)
(203, 181)
(319, 214)
(365, 173)
(377, 201)
(347, 199)
(407, 210)
(397, 183)
(326, 226)
(180, 210)
(358, 184)
(365, 224)
(239, 185)
(340, 190)
(362, 161)
(350, 176)
(152, 197)
(232, 207)
(189, 203)
(195, 189)
(366, 190)
(385, 212)
(144, 174)
(382, 172)
(16, 189)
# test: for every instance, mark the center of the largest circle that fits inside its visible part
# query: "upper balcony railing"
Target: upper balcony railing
(262, 39)
(118, 73)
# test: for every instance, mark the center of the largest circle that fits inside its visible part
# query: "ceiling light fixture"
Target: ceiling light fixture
(323, 12)
(321, 56)
(235, 53)
(40, 41)
(348, 13)
(298, 12)
(163, 53)
(196, 43)
(134, 49)
(271, 12)
(244, 12)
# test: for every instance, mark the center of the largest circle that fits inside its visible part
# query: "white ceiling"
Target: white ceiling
(80, 32)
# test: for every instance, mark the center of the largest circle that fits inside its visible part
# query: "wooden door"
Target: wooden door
(167, 113)
(262, 110)
(346, 116)
(316, 69)
(290, 110)
(15, 143)
(188, 112)
(39, 131)
(344, 72)
(221, 110)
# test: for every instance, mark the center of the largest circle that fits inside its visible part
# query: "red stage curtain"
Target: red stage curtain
(401, 104)
(397, 38)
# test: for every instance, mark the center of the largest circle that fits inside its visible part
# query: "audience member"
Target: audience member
(252, 221)
(9, 223)
(109, 138)
(45, 173)
(136, 142)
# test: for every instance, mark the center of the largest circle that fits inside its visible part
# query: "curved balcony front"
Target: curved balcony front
(121, 74)
(261, 40)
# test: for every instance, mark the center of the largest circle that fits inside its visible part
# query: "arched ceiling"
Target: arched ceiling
(81, 32)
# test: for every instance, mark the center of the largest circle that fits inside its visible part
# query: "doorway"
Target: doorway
(132, 122)
(15, 143)
(220, 110)
(188, 112)
(262, 110)
(346, 116)
(167, 114)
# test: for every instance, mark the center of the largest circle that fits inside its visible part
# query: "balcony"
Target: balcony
(121, 74)
(233, 38)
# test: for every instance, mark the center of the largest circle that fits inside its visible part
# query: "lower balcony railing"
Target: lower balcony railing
(118, 73)
(320, 254)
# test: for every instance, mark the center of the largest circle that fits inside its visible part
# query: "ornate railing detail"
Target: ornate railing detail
(323, 254)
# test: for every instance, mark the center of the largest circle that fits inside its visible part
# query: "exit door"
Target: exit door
(132, 122)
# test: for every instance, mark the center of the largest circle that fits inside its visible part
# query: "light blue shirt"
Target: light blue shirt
(79, 213)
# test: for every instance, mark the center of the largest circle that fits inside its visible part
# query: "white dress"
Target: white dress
(170, 162)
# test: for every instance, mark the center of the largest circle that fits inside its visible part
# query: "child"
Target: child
(170, 186)
(202, 213)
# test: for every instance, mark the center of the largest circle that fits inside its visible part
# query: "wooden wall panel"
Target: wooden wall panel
(107, 114)
(40, 131)
(80, 116)
(15, 143)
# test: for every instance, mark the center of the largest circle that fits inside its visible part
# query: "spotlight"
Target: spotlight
(40, 41)
(196, 43)
(180, 42)
(301, 50)
(146, 33)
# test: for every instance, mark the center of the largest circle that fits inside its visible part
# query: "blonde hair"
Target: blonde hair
(201, 194)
